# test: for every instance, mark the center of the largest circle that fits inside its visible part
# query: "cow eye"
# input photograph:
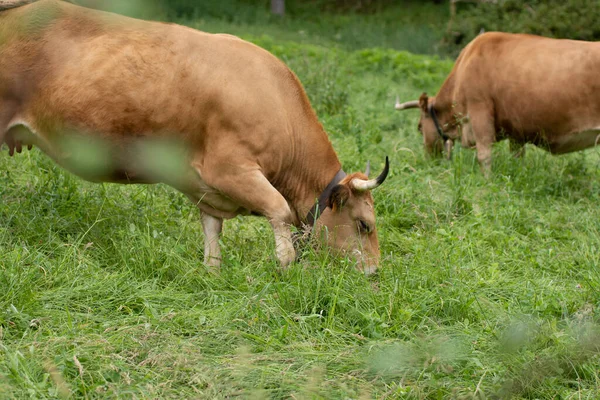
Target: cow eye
(363, 227)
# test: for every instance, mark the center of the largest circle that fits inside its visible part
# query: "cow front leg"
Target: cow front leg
(484, 156)
(212, 227)
(482, 125)
(284, 246)
(448, 146)
(249, 188)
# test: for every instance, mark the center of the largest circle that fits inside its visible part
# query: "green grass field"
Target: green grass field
(487, 288)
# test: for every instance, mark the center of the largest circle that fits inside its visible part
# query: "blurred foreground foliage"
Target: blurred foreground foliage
(568, 19)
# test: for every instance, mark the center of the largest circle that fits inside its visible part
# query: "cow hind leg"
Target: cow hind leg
(251, 190)
(7, 112)
(212, 227)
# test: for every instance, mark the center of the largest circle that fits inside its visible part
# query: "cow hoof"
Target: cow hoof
(286, 254)
(286, 259)
(369, 270)
(213, 265)
(214, 271)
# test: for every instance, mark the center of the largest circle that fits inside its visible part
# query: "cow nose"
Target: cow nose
(364, 263)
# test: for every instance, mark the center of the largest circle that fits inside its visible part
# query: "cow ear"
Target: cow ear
(338, 197)
(424, 102)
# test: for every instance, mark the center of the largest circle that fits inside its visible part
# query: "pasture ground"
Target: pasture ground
(487, 288)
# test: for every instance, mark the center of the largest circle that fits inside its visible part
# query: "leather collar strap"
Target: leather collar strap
(316, 210)
(437, 123)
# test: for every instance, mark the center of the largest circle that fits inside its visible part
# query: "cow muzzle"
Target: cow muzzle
(368, 265)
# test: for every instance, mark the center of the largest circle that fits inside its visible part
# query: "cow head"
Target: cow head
(436, 125)
(348, 223)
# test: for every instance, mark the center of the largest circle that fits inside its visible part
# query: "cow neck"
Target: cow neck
(436, 122)
(312, 166)
(321, 203)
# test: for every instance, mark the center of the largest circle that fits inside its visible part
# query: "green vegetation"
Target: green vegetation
(487, 289)
(567, 19)
(414, 26)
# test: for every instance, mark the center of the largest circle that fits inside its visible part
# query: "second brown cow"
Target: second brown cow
(525, 88)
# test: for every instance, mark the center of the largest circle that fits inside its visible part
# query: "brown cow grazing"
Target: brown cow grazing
(526, 88)
(114, 99)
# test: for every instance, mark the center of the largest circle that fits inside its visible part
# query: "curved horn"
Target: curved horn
(368, 169)
(363, 185)
(409, 104)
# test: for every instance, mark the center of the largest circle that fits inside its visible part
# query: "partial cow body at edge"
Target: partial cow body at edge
(525, 88)
(114, 99)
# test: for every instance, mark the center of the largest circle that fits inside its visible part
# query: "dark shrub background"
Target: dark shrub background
(571, 19)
